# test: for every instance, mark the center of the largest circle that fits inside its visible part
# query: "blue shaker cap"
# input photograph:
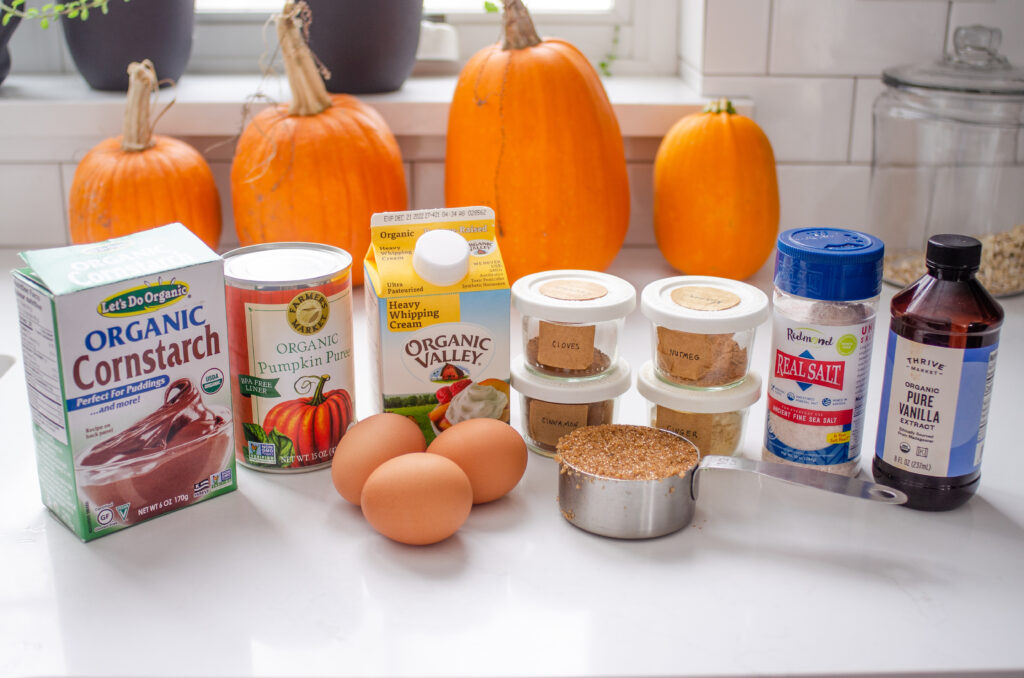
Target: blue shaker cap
(830, 264)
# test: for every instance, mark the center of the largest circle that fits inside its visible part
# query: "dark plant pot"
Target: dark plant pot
(5, 55)
(367, 46)
(104, 45)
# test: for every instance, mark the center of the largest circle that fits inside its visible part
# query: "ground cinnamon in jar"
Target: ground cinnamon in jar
(547, 422)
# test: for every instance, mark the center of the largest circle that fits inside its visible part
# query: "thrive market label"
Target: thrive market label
(441, 354)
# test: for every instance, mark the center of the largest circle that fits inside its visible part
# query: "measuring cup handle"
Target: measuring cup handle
(831, 482)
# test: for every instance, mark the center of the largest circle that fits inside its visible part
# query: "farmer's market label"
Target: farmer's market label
(440, 353)
(935, 404)
(125, 351)
(292, 362)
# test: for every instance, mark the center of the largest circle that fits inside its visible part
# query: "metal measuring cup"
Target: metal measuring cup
(640, 509)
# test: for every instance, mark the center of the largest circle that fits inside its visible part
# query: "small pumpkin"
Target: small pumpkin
(315, 170)
(716, 195)
(141, 180)
(531, 133)
(313, 424)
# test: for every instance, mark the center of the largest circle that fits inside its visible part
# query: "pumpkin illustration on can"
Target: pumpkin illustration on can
(314, 425)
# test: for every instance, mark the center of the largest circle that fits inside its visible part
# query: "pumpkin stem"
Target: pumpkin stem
(720, 106)
(309, 95)
(303, 385)
(137, 130)
(519, 29)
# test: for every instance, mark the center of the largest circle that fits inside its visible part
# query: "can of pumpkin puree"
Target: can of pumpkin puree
(289, 311)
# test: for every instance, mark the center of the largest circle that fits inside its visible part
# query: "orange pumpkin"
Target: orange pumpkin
(716, 196)
(139, 180)
(315, 424)
(316, 170)
(531, 133)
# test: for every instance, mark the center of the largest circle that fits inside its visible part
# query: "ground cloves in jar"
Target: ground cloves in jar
(566, 362)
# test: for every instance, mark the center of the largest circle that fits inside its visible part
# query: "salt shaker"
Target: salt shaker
(827, 282)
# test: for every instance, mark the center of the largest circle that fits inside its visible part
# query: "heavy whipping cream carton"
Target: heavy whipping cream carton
(126, 362)
(438, 305)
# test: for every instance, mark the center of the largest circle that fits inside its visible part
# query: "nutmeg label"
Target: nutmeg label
(696, 427)
(700, 298)
(569, 347)
(550, 421)
(572, 290)
(683, 354)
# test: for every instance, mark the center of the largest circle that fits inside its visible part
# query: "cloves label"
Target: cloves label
(569, 347)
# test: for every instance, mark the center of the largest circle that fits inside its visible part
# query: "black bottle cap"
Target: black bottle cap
(950, 250)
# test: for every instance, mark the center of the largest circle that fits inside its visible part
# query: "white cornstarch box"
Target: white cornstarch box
(126, 361)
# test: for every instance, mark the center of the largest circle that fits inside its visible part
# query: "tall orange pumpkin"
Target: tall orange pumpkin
(531, 133)
(716, 196)
(140, 180)
(315, 170)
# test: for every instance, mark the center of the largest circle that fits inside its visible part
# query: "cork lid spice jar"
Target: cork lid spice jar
(551, 408)
(712, 419)
(702, 329)
(572, 321)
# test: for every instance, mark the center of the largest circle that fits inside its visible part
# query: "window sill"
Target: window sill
(39, 114)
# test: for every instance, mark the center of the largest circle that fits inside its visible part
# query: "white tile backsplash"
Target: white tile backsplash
(428, 185)
(866, 91)
(853, 37)
(736, 37)
(823, 195)
(806, 119)
(33, 213)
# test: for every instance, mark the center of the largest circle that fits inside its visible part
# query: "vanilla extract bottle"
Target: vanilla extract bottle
(939, 365)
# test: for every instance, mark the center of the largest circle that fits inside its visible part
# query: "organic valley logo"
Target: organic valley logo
(448, 352)
(143, 299)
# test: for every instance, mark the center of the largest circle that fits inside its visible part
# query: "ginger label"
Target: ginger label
(569, 347)
(698, 298)
(550, 421)
(572, 290)
(696, 427)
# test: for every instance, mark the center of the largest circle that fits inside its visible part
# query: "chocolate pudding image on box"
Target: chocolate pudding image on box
(154, 464)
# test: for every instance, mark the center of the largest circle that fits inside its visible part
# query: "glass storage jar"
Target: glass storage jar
(949, 158)
(572, 321)
(551, 408)
(702, 329)
(711, 420)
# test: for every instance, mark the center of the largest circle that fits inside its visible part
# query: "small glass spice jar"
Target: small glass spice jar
(702, 329)
(712, 420)
(572, 321)
(551, 408)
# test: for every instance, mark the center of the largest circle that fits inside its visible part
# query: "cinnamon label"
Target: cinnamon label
(698, 298)
(550, 421)
(569, 347)
(695, 427)
(572, 290)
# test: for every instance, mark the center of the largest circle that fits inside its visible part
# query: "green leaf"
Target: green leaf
(254, 433)
(490, 7)
(47, 8)
(285, 448)
(85, 13)
(17, 3)
(44, 23)
(6, 20)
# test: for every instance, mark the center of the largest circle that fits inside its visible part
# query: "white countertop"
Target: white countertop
(284, 578)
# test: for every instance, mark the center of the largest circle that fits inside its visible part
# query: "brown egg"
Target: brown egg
(491, 453)
(369, 444)
(417, 498)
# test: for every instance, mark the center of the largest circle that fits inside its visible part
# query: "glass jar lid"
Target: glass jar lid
(609, 385)
(975, 67)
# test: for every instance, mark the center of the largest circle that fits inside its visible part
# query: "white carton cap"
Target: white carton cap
(441, 257)
(574, 296)
(738, 397)
(610, 384)
(719, 305)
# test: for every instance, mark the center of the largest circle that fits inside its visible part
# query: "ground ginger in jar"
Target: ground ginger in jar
(827, 282)
(711, 420)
